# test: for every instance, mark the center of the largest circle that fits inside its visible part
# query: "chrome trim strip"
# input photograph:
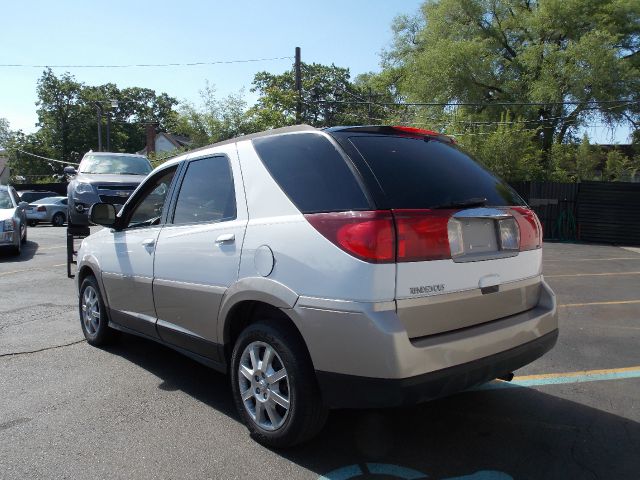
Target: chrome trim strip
(161, 282)
(344, 305)
(464, 294)
(177, 328)
(481, 212)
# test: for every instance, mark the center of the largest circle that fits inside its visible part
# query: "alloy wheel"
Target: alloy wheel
(90, 310)
(264, 386)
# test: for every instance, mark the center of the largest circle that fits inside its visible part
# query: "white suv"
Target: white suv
(339, 268)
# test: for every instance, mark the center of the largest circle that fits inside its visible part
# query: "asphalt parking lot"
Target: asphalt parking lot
(139, 410)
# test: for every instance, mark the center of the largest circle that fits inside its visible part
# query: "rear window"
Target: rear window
(418, 173)
(311, 172)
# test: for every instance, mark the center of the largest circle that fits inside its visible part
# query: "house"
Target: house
(4, 167)
(163, 142)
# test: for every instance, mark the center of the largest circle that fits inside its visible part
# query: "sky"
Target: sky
(348, 33)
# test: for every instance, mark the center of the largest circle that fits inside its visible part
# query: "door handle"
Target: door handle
(225, 238)
(149, 242)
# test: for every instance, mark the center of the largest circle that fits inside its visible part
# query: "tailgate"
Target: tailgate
(460, 295)
(480, 283)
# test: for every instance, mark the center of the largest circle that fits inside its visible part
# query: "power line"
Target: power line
(46, 158)
(485, 104)
(144, 65)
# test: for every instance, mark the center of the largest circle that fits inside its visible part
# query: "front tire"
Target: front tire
(93, 314)
(58, 219)
(274, 385)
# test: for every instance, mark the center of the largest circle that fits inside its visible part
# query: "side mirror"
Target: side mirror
(102, 214)
(23, 205)
(69, 170)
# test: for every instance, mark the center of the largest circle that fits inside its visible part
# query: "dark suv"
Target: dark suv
(103, 177)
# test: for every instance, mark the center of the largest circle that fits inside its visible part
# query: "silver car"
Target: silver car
(13, 221)
(340, 268)
(48, 210)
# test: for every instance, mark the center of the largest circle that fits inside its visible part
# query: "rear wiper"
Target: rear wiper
(470, 202)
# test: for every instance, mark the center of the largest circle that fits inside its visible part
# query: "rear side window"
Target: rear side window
(415, 173)
(311, 172)
(207, 193)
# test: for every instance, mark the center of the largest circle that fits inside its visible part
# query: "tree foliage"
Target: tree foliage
(324, 88)
(545, 52)
(67, 117)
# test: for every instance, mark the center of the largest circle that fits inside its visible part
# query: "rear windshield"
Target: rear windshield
(311, 172)
(418, 173)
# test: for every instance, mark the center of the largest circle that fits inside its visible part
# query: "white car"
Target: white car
(339, 268)
(13, 221)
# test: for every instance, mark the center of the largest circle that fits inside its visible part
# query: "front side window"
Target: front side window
(148, 208)
(207, 193)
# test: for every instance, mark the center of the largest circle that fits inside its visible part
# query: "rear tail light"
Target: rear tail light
(509, 234)
(383, 236)
(369, 236)
(41, 209)
(530, 228)
(422, 234)
(424, 133)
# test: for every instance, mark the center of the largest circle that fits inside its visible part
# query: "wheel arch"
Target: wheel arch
(89, 266)
(247, 312)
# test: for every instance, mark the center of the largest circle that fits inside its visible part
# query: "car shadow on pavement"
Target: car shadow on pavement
(29, 249)
(492, 434)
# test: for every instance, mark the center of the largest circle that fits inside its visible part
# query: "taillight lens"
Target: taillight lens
(409, 235)
(422, 234)
(41, 209)
(509, 234)
(530, 228)
(369, 236)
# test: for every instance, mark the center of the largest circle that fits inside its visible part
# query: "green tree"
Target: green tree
(5, 132)
(587, 160)
(547, 52)
(619, 167)
(324, 89)
(509, 151)
(67, 114)
(214, 119)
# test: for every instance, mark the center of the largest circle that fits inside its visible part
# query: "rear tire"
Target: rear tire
(279, 401)
(93, 314)
(58, 219)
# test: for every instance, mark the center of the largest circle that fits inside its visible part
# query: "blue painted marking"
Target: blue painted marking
(395, 471)
(344, 473)
(534, 382)
(485, 475)
(353, 471)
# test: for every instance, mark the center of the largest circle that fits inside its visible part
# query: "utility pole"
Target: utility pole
(99, 112)
(369, 107)
(108, 131)
(298, 73)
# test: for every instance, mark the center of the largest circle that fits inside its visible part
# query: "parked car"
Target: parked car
(48, 210)
(31, 196)
(103, 177)
(339, 268)
(13, 222)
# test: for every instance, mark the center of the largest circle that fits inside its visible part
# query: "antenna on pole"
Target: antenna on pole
(298, 73)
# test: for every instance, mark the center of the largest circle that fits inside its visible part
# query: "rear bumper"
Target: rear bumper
(365, 357)
(350, 391)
